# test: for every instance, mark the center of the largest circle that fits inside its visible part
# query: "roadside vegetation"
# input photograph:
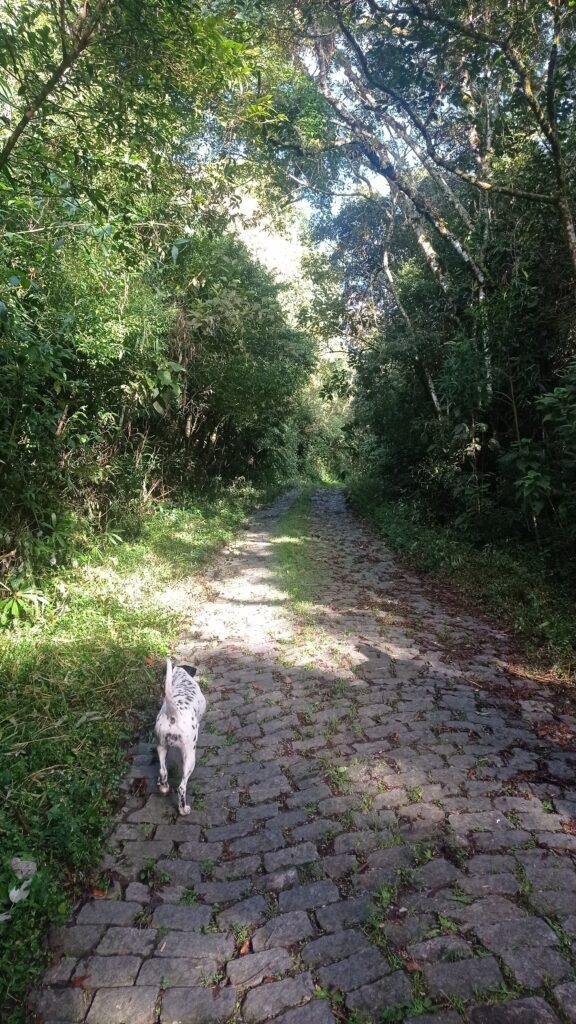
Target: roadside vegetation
(510, 583)
(77, 685)
(296, 554)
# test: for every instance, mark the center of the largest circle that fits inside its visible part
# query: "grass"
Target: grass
(77, 687)
(511, 584)
(297, 555)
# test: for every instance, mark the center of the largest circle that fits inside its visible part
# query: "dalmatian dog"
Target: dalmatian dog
(177, 725)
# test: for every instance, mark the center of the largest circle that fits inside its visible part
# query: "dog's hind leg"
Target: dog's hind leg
(163, 775)
(188, 763)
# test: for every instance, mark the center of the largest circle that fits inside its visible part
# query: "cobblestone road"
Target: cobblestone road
(383, 824)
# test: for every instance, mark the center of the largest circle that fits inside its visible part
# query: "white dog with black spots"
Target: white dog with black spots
(178, 724)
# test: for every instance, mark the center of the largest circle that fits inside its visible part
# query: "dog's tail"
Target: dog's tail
(168, 695)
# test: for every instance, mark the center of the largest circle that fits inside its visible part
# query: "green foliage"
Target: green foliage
(448, 218)
(142, 348)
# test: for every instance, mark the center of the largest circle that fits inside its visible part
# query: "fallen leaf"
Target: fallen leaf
(412, 966)
(19, 893)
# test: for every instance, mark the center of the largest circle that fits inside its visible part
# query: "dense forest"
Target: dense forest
(458, 256)
(147, 356)
(143, 346)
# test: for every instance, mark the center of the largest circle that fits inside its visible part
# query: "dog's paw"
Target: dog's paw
(185, 810)
(164, 788)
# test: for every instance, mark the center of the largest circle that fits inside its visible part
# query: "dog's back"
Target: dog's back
(183, 698)
(178, 723)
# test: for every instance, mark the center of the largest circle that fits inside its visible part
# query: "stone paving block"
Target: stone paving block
(200, 851)
(565, 996)
(179, 872)
(443, 947)
(492, 910)
(269, 789)
(335, 946)
(137, 892)
(316, 830)
(337, 804)
(346, 912)
(176, 971)
(124, 1006)
(356, 842)
(60, 1004)
(373, 999)
(224, 892)
(250, 912)
(123, 941)
(516, 934)
(125, 831)
(291, 819)
(184, 918)
(339, 864)
(504, 884)
(356, 970)
(106, 971)
(276, 880)
(238, 868)
(212, 946)
(75, 939)
(535, 967)
(382, 867)
(410, 929)
(197, 1005)
(290, 855)
(269, 1000)
(172, 893)
(436, 874)
(546, 875)
(310, 795)
(559, 842)
(157, 810)
(235, 830)
(465, 978)
(501, 839)
(59, 972)
(144, 850)
(518, 1011)
(260, 842)
(283, 930)
(181, 831)
(104, 912)
(307, 897)
(251, 969)
(551, 901)
(317, 1011)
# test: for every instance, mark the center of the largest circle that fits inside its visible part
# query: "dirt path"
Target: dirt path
(382, 824)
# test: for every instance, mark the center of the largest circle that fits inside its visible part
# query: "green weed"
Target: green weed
(189, 897)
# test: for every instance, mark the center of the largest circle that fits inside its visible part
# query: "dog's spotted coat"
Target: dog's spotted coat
(177, 725)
